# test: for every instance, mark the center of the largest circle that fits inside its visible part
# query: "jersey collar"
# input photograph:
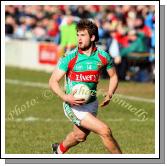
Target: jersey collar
(81, 52)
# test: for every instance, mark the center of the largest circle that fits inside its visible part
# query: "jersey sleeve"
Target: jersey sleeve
(110, 63)
(63, 63)
(109, 59)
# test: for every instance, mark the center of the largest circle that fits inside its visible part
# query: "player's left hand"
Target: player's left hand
(106, 101)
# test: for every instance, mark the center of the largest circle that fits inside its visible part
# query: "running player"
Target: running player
(83, 65)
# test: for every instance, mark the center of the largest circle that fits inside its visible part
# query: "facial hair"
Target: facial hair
(86, 47)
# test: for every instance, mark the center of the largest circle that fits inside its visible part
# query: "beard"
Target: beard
(85, 47)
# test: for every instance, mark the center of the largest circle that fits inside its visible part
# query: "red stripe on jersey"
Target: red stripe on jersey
(103, 59)
(72, 63)
(86, 76)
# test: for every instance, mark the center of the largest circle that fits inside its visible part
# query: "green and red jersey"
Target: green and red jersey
(84, 69)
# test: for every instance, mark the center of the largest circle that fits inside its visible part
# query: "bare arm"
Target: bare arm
(112, 86)
(56, 76)
(113, 81)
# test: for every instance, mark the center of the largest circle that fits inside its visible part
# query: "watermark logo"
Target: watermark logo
(139, 112)
(19, 109)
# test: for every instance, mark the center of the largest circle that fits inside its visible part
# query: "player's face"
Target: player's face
(84, 40)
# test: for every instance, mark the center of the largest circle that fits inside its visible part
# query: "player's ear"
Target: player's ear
(93, 38)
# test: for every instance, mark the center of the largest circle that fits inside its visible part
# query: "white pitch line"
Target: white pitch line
(136, 98)
(42, 85)
(139, 120)
(34, 119)
(26, 83)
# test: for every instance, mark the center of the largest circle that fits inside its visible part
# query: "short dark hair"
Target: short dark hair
(89, 26)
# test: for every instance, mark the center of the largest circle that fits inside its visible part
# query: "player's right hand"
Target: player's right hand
(69, 98)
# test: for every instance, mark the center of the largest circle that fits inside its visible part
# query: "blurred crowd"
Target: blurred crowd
(123, 29)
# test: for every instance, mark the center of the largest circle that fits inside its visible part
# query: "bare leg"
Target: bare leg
(94, 124)
(78, 135)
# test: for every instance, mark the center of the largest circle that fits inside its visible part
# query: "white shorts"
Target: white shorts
(81, 111)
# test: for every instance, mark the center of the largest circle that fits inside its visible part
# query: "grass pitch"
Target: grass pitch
(35, 118)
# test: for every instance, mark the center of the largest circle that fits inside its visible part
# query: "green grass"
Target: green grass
(35, 137)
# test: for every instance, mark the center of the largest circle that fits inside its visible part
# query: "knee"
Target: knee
(105, 131)
(80, 137)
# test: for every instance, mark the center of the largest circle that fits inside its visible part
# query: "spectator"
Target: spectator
(53, 31)
(10, 25)
(136, 43)
(39, 32)
(68, 33)
(129, 27)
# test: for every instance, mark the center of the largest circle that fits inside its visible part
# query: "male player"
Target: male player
(82, 65)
